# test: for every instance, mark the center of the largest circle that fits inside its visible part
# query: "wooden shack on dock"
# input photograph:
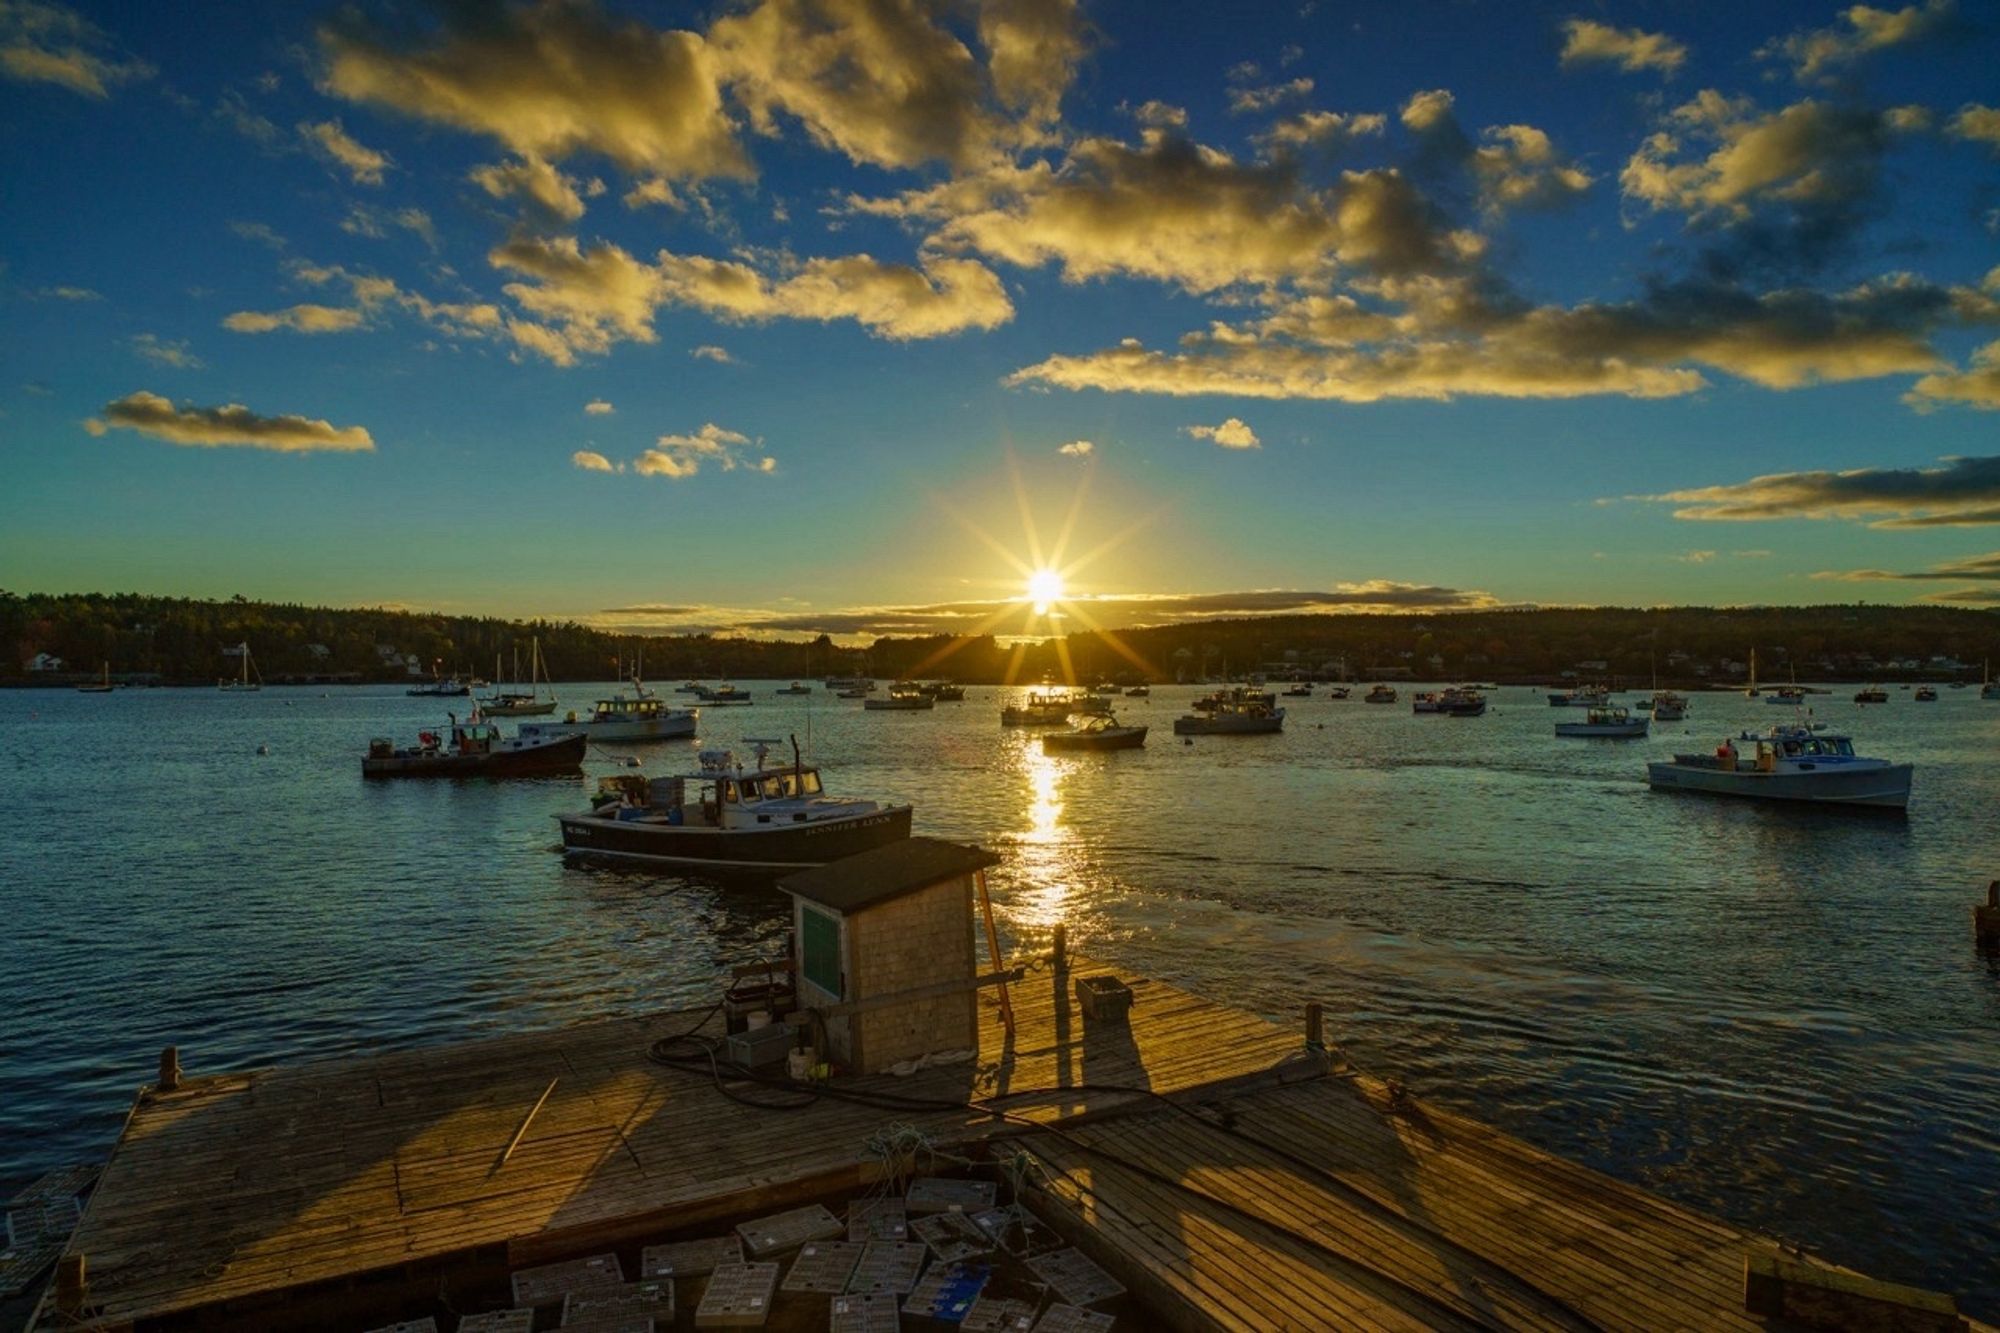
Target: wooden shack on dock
(885, 940)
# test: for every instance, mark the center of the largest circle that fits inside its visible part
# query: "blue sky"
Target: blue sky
(1353, 305)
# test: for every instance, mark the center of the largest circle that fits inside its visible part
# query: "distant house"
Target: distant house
(319, 652)
(1594, 664)
(45, 662)
(386, 653)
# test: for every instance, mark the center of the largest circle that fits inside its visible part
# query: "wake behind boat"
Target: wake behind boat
(731, 815)
(1789, 762)
(472, 749)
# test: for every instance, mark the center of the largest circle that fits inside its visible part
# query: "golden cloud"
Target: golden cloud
(1631, 49)
(363, 164)
(48, 43)
(304, 318)
(1862, 28)
(1231, 434)
(548, 193)
(547, 81)
(1976, 386)
(230, 424)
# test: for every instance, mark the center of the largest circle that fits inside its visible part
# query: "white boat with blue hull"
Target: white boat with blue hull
(1788, 763)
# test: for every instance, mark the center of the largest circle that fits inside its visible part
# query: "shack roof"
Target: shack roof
(886, 873)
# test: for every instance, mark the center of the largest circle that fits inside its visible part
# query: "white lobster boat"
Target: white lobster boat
(1232, 717)
(730, 815)
(621, 719)
(1789, 762)
(1612, 723)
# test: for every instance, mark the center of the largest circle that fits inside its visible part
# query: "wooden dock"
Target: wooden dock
(1272, 1187)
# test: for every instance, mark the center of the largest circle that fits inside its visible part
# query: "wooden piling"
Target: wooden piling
(1315, 1026)
(1986, 921)
(72, 1287)
(1059, 948)
(170, 1070)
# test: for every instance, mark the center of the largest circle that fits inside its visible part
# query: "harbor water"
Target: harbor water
(1773, 1014)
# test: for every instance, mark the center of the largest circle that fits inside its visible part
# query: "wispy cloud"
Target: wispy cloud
(589, 460)
(364, 165)
(1818, 53)
(598, 407)
(682, 456)
(170, 352)
(230, 424)
(1016, 618)
(711, 352)
(303, 318)
(1077, 449)
(1963, 492)
(48, 43)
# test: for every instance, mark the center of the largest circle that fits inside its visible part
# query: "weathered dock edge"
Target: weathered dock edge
(1298, 1193)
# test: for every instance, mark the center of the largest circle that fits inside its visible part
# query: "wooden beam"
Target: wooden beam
(1827, 1298)
(526, 1120)
(801, 1017)
(170, 1070)
(993, 955)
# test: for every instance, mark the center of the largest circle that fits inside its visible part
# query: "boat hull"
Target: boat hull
(1229, 725)
(1127, 738)
(1604, 730)
(557, 757)
(667, 728)
(779, 847)
(542, 709)
(898, 705)
(1885, 787)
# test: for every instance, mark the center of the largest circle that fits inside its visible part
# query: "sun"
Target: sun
(1045, 588)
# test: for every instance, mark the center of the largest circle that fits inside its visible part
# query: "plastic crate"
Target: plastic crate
(758, 1047)
(1103, 999)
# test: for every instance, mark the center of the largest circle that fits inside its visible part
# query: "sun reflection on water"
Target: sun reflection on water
(1044, 853)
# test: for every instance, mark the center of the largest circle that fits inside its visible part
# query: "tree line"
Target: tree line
(184, 640)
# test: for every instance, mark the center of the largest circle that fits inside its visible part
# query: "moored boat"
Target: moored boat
(1050, 706)
(1462, 702)
(1989, 688)
(1925, 694)
(1139, 692)
(1583, 696)
(724, 696)
(474, 748)
(622, 719)
(1789, 763)
(97, 686)
(1871, 694)
(1379, 694)
(1232, 717)
(731, 816)
(1612, 723)
(438, 687)
(1094, 731)
(1300, 690)
(513, 703)
(246, 669)
(1338, 691)
(944, 691)
(1668, 706)
(903, 697)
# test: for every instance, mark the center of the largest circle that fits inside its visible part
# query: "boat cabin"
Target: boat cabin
(626, 710)
(723, 794)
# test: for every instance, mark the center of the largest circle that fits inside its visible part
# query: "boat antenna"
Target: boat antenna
(798, 765)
